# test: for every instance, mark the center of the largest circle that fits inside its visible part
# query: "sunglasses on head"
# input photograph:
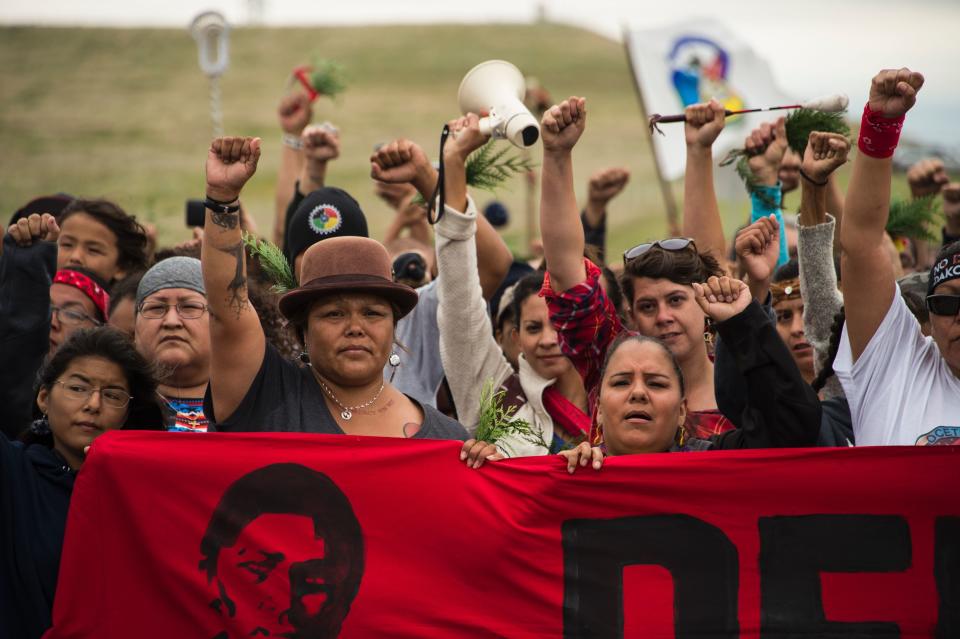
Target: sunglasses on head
(943, 304)
(671, 244)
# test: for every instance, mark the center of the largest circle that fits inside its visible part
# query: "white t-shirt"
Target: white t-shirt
(901, 391)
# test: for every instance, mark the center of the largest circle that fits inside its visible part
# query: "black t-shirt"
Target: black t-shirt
(286, 398)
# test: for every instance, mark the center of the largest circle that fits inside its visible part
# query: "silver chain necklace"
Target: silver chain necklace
(346, 412)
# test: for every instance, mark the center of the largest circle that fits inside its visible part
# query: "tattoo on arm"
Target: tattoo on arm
(410, 429)
(228, 221)
(237, 287)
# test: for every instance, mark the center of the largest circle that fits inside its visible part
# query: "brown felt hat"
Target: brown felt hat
(347, 264)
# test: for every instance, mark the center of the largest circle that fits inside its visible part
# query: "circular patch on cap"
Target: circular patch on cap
(325, 219)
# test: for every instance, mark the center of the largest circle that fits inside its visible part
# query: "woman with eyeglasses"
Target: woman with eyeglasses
(40, 307)
(95, 382)
(657, 283)
(172, 331)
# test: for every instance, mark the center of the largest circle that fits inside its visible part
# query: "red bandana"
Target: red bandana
(91, 289)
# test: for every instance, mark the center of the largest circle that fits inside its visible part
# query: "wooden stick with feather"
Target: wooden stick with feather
(829, 103)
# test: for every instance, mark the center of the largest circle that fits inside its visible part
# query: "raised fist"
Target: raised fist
(399, 162)
(321, 142)
(231, 161)
(465, 137)
(893, 92)
(951, 207)
(704, 123)
(396, 194)
(294, 113)
(758, 248)
(927, 177)
(765, 147)
(606, 184)
(722, 297)
(35, 228)
(789, 171)
(563, 124)
(825, 153)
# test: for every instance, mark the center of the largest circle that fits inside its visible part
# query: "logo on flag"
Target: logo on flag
(692, 62)
(699, 72)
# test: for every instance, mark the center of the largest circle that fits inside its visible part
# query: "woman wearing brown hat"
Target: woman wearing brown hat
(346, 310)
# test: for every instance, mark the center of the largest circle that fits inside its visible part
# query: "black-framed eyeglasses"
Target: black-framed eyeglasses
(943, 304)
(79, 391)
(186, 310)
(72, 316)
(670, 244)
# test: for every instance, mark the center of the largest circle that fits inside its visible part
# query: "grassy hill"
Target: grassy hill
(123, 113)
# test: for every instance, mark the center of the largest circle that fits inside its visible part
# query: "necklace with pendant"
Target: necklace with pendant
(346, 412)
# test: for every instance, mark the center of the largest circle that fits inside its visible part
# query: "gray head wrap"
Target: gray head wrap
(173, 272)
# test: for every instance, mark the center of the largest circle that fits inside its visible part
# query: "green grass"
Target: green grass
(123, 113)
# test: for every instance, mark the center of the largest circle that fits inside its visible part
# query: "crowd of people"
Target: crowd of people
(814, 329)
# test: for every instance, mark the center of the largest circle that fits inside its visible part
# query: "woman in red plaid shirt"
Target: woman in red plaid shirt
(657, 281)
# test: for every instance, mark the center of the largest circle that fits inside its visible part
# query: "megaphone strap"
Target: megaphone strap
(439, 191)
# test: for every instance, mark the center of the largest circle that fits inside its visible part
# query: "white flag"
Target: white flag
(692, 62)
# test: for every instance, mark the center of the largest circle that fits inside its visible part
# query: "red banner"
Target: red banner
(215, 536)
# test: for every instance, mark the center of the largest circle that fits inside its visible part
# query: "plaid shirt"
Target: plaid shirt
(587, 322)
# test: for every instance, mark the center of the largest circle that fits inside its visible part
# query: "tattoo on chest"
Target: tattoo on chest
(410, 429)
(237, 287)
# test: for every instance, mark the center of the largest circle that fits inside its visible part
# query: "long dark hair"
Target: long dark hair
(144, 412)
(836, 330)
(526, 286)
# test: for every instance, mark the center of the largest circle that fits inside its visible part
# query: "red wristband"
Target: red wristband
(878, 135)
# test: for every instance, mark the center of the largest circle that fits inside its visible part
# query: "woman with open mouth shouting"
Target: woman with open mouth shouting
(642, 398)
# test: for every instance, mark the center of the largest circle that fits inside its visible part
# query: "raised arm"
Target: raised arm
(27, 267)
(604, 185)
(237, 342)
(825, 153)
(701, 214)
(766, 146)
(868, 277)
(560, 226)
(758, 248)
(928, 177)
(781, 409)
(404, 161)
(321, 144)
(951, 213)
(470, 354)
(294, 115)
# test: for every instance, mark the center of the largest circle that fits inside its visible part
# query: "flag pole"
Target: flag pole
(666, 190)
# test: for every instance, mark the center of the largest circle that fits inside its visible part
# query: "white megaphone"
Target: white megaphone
(211, 31)
(496, 88)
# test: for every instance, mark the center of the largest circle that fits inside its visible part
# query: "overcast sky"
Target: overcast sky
(815, 46)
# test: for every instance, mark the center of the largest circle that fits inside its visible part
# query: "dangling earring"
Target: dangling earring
(40, 426)
(708, 335)
(304, 358)
(681, 436)
(394, 362)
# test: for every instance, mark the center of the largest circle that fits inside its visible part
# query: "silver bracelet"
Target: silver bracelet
(293, 141)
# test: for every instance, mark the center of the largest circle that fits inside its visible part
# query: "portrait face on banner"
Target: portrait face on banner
(284, 554)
